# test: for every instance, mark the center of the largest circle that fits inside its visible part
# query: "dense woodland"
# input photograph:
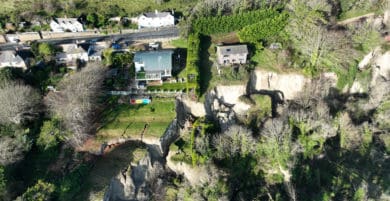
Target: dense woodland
(325, 145)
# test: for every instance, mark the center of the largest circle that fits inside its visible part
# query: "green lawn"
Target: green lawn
(174, 86)
(179, 43)
(125, 120)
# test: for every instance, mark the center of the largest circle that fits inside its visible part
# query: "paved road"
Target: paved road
(152, 34)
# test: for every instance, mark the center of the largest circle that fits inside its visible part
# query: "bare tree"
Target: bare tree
(319, 46)
(76, 102)
(17, 102)
(236, 140)
(12, 149)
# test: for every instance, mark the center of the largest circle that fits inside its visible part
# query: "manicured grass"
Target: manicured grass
(125, 120)
(173, 86)
(179, 43)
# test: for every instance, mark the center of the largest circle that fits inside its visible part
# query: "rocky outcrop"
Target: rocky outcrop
(223, 103)
(382, 66)
(137, 182)
(170, 135)
(194, 108)
(195, 175)
(290, 85)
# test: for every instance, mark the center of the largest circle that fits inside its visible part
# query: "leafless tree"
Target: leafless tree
(235, 140)
(17, 102)
(319, 46)
(12, 149)
(76, 102)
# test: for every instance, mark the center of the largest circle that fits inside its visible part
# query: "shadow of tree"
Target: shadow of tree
(341, 173)
(205, 64)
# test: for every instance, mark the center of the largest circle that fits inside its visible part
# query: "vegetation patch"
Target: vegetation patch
(125, 120)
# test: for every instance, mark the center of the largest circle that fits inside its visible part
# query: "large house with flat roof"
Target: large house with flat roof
(153, 65)
(232, 54)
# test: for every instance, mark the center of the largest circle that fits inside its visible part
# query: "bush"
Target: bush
(264, 29)
(41, 191)
(225, 24)
(51, 134)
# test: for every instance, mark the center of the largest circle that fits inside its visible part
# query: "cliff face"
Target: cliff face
(137, 182)
(290, 85)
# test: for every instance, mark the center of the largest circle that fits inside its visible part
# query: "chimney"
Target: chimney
(156, 11)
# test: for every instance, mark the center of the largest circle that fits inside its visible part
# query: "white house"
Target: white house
(71, 53)
(232, 54)
(11, 59)
(66, 24)
(155, 19)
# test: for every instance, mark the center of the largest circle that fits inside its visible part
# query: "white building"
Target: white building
(155, 19)
(11, 59)
(66, 24)
(71, 53)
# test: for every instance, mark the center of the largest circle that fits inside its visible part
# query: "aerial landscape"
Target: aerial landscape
(214, 100)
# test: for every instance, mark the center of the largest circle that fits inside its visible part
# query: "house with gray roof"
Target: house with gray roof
(232, 54)
(153, 65)
(11, 59)
(71, 53)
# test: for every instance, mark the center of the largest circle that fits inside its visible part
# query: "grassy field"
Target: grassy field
(125, 120)
(179, 43)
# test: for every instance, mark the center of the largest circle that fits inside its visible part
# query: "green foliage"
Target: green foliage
(41, 191)
(365, 38)
(264, 30)
(3, 183)
(173, 87)
(51, 134)
(71, 184)
(120, 60)
(107, 56)
(347, 76)
(46, 51)
(359, 195)
(179, 43)
(5, 75)
(229, 23)
(191, 72)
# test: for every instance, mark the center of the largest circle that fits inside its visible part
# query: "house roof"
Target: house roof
(10, 56)
(156, 14)
(67, 21)
(233, 49)
(73, 48)
(95, 50)
(155, 60)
